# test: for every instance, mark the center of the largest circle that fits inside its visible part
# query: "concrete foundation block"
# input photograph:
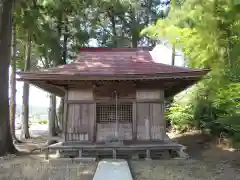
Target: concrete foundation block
(135, 157)
(182, 154)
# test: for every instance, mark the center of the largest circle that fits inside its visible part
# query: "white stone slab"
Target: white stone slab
(113, 169)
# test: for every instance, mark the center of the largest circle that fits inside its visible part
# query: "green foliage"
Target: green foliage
(236, 2)
(42, 121)
(208, 34)
(58, 28)
(181, 119)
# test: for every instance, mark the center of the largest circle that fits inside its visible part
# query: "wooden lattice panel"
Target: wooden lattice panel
(106, 113)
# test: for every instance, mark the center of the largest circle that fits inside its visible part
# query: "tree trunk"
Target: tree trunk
(60, 114)
(13, 87)
(65, 42)
(58, 60)
(173, 54)
(134, 40)
(52, 116)
(57, 128)
(6, 143)
(134, 31)
(111, 15)
(25, 109)
(56, 120)
(148, 18)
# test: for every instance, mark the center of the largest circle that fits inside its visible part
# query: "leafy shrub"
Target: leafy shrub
(231, 123)
(211, 105)
(180, 117)
(236, 140)
(42, 121)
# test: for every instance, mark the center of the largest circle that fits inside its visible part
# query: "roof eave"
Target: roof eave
(47, 76)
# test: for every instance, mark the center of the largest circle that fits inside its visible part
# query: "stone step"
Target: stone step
(113, 169)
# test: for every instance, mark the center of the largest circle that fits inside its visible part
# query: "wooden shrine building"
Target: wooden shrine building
(114, 98)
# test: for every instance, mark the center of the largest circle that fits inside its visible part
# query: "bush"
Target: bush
(42, 121)
(236, 137)
(180, 117)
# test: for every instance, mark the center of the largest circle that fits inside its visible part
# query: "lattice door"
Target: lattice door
(109, 114)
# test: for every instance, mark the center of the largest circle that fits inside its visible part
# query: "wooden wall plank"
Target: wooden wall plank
(85, 129)
(80, 94)
(69, 120)
(148, 94)
(82, 117)
(106, 130)
(153, 112)
(142, 115)
(80, 122)
(157, 121)
(76, 119)
(124, 89)
(80, 114)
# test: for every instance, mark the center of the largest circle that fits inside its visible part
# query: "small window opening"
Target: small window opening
(106, 113)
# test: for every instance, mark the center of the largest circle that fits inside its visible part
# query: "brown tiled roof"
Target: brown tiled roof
(106, 62)
(112, 64)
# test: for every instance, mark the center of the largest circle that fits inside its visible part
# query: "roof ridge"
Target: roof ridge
(108, 49)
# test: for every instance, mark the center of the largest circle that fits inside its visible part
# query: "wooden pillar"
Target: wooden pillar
(94, 138)
(80, 153)
(148, 154)
(114, 153)
(148, 128)
(163, 121)
(65, 115)
(134, 121)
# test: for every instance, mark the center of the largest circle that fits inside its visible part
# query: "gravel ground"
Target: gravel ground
(32, 169)
(183, 170)
(28, 168)
(208, 162)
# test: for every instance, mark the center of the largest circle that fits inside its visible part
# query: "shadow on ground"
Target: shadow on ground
(207, 161)
(206, 148)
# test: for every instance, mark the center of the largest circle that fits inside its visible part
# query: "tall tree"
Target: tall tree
(25, 111)
(52, 116)
(6, 143)
(13, 84)
(173, 55)
(27, 19)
